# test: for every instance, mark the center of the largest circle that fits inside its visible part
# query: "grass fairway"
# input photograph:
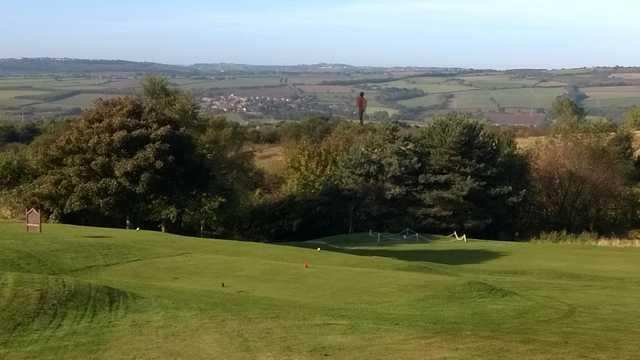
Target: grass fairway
(80, 293)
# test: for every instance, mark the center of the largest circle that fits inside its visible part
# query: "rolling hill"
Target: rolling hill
(28, 66)
(44, 65)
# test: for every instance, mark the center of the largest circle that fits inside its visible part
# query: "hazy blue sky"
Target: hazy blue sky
(469, 33)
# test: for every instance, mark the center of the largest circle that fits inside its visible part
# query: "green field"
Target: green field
(50, 81)
(429, 100)
(11, 98)
(236, 82)
(488, 92)
(80, 293)
(497, 81)
(375, 106)
(474, 100)
(551, 84)
(373, 109)
(77, 101)
(507, 98)
(432, 85)
(612, 96)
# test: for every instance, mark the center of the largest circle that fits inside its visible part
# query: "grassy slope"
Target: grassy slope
(78, 293)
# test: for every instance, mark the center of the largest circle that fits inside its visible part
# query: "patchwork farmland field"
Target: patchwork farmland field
(612, 96)
(527, 97)
(626, 76)
(546, 83)
(326, 89)
(430, 85)
(497, 82)
(333, 93)
(234, 82)
(531, 98)
(429, 100)
(12, 98)
(475, 101)
(372, 109)
(76, 101)
(51, 81)
(508, 94)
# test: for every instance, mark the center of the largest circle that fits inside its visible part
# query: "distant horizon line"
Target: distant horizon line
(192, 64)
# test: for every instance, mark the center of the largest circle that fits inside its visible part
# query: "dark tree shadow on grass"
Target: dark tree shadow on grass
(447, 257)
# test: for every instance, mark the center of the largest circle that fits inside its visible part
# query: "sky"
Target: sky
(495, 34)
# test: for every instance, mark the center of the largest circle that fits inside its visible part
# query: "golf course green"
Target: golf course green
(92, 293)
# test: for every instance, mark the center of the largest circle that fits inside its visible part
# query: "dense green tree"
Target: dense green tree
(312, 130)
(380, 116)
(632, 118)
(627, 163)
(22, 133)
(313, 161)
(454, 175)
(232, 179)
(474, 180)
(311, 168)
(580, 185)
(372, 172)
(14, 169)
(129, 157)
(567, 114)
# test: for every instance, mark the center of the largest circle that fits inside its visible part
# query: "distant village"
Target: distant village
(293, 107)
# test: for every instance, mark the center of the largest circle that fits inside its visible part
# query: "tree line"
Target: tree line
(153, 160)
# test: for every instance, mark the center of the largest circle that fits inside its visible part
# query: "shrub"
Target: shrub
(579, 185)
(563, 237)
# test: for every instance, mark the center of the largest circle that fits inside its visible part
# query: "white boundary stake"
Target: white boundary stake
(459, 238)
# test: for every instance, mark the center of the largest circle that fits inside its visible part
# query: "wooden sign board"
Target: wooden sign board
(34, 221)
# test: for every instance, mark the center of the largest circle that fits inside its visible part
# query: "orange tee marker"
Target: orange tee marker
(306, 265)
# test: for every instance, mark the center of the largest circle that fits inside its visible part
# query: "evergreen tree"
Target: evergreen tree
(473, 180)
